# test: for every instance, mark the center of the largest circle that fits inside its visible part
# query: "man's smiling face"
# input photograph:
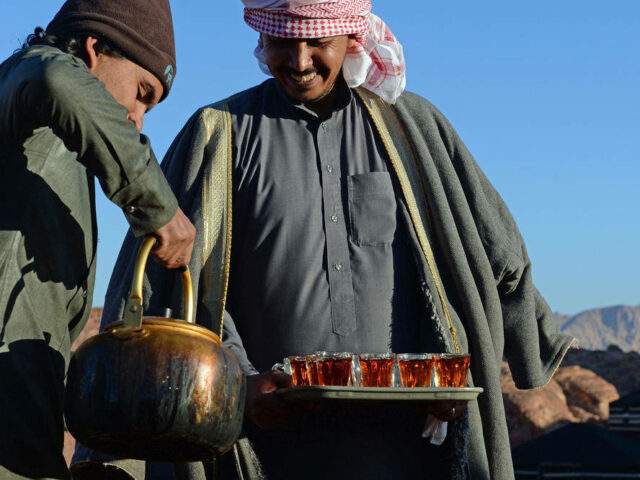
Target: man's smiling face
(306, 69)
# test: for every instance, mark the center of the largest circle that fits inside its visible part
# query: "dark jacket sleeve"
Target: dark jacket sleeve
(56, 90)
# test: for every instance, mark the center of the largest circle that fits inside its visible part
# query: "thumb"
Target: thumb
(281, 379)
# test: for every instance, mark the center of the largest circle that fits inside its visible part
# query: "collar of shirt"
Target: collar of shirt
(343, 99)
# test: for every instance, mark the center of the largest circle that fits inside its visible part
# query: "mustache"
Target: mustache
(308, 71)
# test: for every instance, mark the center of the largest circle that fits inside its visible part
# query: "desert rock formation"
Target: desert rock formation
(580, 391)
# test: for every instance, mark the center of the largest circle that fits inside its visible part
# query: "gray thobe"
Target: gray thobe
(321, 261)
(320, 258)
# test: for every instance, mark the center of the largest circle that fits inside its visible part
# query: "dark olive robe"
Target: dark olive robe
(59, 129)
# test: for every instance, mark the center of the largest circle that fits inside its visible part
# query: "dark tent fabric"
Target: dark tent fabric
(633, 399)
(579, 444)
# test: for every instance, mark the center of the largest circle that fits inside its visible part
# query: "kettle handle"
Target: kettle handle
(133, 308)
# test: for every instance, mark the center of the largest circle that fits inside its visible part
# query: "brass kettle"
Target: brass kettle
(155, 388)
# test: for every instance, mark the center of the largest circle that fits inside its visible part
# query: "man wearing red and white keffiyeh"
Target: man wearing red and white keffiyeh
(348, 220)
(374, 60)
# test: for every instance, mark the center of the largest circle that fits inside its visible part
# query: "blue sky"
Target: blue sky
(545, 94)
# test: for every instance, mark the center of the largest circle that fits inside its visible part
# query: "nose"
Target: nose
(300, 58)
(136, 117)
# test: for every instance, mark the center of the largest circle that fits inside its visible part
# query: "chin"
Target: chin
(305, 96)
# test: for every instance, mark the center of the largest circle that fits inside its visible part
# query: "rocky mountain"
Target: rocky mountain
(598, 328)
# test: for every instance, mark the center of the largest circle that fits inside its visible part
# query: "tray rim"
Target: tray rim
(379, 394)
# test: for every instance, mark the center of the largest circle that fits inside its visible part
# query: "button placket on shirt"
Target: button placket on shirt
(339, 272)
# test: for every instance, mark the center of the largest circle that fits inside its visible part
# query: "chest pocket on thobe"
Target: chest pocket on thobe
(372, 209)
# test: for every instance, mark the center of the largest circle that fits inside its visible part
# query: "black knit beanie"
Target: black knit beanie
(141, 29)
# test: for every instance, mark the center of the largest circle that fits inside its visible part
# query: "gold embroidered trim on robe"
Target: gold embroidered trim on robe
(217, 188)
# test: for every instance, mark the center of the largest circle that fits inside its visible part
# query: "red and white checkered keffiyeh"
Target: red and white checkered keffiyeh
(376, 61)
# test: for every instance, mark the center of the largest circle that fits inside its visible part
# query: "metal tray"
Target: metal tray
(372, 394)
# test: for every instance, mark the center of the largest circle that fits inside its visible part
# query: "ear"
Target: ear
(92, 57)
(352, 41)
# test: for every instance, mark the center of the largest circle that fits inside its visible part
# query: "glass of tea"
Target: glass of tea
(334, 369)
(297, 367)
(376, 369)
(299, 370)
(312, 367)
(451, 369)
(415, 369)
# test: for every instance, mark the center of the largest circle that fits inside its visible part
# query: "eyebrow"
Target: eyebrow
(152, 96)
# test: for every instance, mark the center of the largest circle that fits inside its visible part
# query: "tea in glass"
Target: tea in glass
(334, 369)
(312, 369)
(415, 369)
(377, 369)
(451, 369)
(299, 370)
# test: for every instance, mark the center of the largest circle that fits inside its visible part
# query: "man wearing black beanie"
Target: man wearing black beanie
(72, 102)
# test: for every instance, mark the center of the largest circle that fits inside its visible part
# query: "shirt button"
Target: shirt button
(329, 169)
(334, 218)
(338, 267)
(324, 126)
(130, 209)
